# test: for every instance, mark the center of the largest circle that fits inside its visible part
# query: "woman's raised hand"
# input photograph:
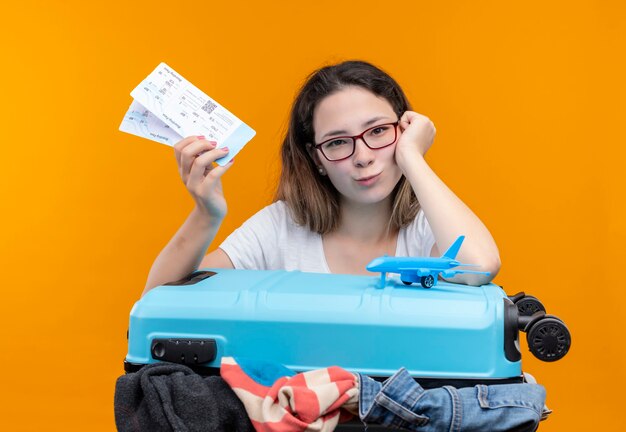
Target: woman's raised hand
(418, 134)
(195, 156)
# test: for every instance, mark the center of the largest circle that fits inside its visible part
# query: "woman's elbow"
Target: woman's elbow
(489, 265)
(492, 266)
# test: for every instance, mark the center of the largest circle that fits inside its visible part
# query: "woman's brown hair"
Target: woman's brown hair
(311, 197)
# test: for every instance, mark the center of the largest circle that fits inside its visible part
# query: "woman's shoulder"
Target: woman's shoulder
(276, 214)
(276, 210)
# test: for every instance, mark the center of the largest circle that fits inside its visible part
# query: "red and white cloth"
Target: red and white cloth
(310, 401)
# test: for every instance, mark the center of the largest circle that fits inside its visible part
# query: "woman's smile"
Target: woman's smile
(368, 180)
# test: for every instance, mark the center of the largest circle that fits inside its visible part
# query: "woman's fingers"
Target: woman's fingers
(407, 118)
(411, 117)
(190, 153)
(417, 130)
(180, 145)
(203, 166)
(179, 149)
(219, 170)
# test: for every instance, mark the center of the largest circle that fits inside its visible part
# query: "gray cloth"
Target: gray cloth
(172, 397)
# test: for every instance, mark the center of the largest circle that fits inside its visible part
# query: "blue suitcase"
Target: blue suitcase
(450, 334)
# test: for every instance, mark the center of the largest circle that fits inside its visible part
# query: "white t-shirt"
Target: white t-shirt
(271, 240)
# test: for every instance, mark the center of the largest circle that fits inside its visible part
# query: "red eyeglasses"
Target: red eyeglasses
(342, 147)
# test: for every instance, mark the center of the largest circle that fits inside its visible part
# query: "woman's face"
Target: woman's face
(368, 176)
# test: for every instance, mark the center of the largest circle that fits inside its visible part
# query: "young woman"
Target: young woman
(354, 186)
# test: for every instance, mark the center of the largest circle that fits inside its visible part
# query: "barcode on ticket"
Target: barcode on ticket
(209, 107)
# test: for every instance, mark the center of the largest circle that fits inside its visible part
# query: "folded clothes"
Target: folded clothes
(278, 400)
(262, 396)
(401, 403)
(172, 397)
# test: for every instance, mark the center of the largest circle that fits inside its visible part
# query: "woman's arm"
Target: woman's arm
(185, 252)
(447, 215)
(182, 255)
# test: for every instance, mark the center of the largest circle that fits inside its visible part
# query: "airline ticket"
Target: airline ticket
(167, 107)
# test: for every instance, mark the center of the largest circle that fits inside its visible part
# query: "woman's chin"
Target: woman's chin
(369, 197)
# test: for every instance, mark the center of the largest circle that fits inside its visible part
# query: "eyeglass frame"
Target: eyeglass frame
(355, 137)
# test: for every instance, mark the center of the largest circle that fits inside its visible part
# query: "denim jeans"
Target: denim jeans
(401, 403)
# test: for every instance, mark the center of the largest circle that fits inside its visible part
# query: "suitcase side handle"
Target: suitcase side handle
(192, 278)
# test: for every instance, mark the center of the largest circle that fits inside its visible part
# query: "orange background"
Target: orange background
(528, 101)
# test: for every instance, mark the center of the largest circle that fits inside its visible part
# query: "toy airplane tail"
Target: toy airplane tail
(454, 249)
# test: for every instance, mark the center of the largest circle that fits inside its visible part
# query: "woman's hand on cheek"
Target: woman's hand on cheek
(417, 134)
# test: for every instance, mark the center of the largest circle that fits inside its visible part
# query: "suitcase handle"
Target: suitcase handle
(192, 278)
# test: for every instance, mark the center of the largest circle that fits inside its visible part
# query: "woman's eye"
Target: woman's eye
(379, 130)
(335, 143)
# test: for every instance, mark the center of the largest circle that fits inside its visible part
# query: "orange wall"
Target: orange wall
(528, 101)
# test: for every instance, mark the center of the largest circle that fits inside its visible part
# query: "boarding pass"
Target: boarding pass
(167, 107)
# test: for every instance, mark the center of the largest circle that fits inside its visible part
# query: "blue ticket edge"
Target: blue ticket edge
(235, 142)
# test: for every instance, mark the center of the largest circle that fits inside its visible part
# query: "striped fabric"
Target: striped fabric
(277, 400)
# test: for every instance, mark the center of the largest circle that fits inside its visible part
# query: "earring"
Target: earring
(321, 170)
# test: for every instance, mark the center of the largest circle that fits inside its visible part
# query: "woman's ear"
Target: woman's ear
(313, 153)
(316, 159)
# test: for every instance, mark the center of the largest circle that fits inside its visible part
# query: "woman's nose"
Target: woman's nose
(363, 155)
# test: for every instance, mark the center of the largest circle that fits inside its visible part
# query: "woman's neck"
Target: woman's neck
(361, 236)
(366, 223)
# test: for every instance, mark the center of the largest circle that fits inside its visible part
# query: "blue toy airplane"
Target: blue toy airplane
(422, 270)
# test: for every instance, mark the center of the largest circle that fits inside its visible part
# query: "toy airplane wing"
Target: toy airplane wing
(426, 272)
(452, 273)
